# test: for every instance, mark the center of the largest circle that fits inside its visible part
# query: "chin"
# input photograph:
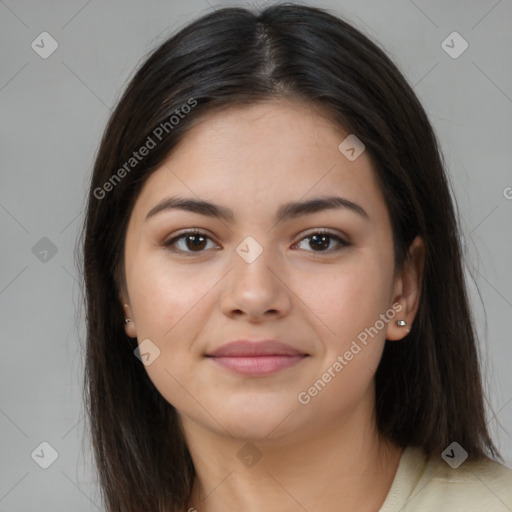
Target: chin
(256, 418)
(253, 427)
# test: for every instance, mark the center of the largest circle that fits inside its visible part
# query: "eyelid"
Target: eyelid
(180, 234)
(188, 231)
(324, 231)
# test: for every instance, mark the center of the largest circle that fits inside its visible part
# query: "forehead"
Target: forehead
(269, 129)
(261, 156)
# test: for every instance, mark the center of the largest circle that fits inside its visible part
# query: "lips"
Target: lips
(241, 348)
(256, 358)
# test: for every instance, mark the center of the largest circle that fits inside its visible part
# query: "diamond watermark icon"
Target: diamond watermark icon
(147, 352)
(44, 249)
(44, 45)
(351, 147)
(454, 455)
(249, 455)
(249, 249)
(44, 455)
(454, 45)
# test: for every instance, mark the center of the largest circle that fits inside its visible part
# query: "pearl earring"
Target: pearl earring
(402, 323)
(127, 320)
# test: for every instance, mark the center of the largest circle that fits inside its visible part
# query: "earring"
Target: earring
(127, 320)
(402, 323)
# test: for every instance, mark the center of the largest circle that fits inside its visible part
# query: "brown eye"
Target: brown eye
(320, 241)
(189, 242)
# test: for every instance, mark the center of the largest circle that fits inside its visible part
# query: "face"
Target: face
(321, 281)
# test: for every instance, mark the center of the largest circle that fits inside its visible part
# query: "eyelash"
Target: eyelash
(169, 243)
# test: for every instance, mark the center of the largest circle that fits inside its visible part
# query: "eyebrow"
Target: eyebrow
(285, 212)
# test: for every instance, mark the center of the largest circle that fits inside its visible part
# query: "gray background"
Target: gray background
(53, 112)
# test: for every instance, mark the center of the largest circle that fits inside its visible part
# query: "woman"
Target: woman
(276, 309)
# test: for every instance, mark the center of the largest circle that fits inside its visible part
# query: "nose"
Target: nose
(256, 291)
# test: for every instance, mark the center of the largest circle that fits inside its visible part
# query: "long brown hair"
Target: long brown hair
(428, 388)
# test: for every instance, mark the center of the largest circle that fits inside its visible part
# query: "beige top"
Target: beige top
(423, 484)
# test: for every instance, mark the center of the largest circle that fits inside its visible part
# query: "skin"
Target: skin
(325, 455)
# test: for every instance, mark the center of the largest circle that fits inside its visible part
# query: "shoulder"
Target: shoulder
(429, 483)
(477, 485)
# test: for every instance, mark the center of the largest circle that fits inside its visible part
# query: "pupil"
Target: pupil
(196, 245)
(322, 238)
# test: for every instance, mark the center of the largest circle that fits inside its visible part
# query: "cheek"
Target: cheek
(348, 302)
(163, 294)
(168, 301)
(347, 297)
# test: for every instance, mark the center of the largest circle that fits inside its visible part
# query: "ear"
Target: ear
(129, 327)
(407, 289)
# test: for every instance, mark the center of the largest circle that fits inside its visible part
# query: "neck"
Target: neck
(340, 468)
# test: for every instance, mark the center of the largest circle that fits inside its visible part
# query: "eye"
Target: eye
(321, 239)
(194, 241)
